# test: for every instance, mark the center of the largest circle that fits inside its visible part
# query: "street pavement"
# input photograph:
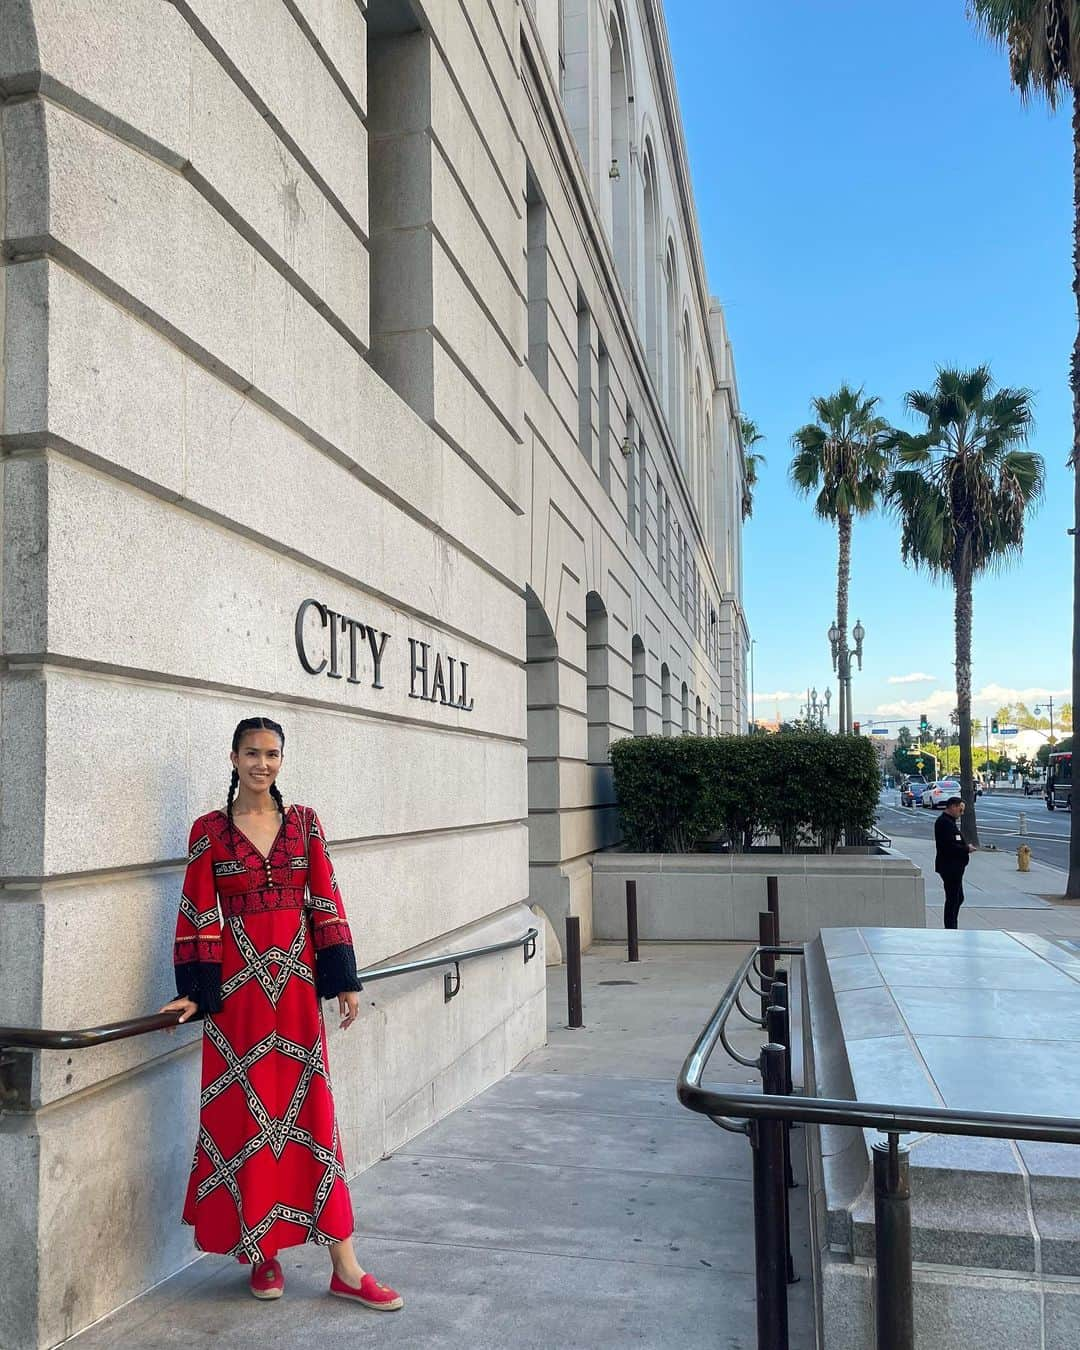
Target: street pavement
(998, 815)
(574, 1205)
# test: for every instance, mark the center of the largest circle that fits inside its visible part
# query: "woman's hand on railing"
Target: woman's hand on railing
(349, 1007)
(186, 1007)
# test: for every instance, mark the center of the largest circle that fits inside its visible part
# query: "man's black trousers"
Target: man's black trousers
(954, 896)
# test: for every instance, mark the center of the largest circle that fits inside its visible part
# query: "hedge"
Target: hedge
(803, 788)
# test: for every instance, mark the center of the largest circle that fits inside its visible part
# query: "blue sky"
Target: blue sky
(874, 201)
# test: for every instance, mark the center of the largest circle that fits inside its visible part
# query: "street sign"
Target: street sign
(879, 731)
(919, 764)
(1008, 731)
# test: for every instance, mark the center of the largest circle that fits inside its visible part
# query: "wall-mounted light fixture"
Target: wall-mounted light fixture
(627, 446)
(613, 172)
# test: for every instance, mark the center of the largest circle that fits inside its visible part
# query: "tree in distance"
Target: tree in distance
(754, 459)
(962, 490)
(843, 458)
(1042, 38)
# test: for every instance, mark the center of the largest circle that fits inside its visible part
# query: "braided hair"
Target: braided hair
(242, 728)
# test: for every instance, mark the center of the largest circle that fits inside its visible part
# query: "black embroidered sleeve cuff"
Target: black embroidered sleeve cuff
(335, 970)
(200, 981)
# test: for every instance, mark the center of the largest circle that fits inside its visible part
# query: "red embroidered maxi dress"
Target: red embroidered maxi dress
(258, 941)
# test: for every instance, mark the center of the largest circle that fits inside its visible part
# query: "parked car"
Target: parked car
(912, 791)
(924, 796)
(939, 793)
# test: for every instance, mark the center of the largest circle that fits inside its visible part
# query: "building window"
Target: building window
(671, 388)
(618, 169)
(585, 378)
(668, 726)
(603, 372)
(643, 494)
(685, 710)
(536, 277)
(651, 234)
(632, 508)
(399, 150)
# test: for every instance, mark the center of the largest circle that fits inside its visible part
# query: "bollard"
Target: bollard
(892, 1247)
(573, 969)
(767, 1137)
(631, 921)
(1023, 858)
(772, 891)
(1023, 823)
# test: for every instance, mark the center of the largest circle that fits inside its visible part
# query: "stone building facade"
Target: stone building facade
(359, 370)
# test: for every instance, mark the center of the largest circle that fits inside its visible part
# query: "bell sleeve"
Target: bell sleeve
(197, 947)
(335, 958)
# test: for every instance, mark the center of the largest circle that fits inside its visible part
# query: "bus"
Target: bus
(1059, 782)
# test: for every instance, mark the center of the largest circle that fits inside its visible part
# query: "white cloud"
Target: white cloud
(917, 678)
(998, 694)
(939, 703)
(778, 696)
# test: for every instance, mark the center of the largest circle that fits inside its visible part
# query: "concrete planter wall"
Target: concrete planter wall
(692, 897)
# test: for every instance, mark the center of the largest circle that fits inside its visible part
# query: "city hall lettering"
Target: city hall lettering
(350, 650)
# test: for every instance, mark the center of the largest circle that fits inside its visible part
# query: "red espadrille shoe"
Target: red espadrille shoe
(371, 1293)
(267, 1279)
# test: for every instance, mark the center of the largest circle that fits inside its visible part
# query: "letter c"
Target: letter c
(300, 613)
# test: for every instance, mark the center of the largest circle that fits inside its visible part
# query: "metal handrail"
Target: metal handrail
(888, 1118)
(766, 1117)
(33, 1038)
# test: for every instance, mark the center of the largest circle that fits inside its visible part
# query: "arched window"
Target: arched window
(696, 441)
(651, 306)
(667, 726)
(618, 169)
(708, 720)
(641, 724)
(697, 715)
(685, 709)
(671, 389)
(574, 71)
(684, 393)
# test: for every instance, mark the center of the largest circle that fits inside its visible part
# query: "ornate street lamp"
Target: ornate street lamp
(841, 659)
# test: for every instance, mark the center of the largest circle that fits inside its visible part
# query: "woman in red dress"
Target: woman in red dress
(261, 937)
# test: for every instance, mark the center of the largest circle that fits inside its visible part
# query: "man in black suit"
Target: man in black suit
(952, 857)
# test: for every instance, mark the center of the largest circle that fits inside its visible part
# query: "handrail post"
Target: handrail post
(781, 997)
(573, 970)
(766, 938)
(631, 921)
(776, 1030)
(892, 1246)
(767, 1137)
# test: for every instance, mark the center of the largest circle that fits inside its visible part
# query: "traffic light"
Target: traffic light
(855, 727)
(993, 726)
(924, 725)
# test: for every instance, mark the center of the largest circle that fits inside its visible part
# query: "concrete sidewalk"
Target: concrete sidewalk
(572, 1206)
(997, 895)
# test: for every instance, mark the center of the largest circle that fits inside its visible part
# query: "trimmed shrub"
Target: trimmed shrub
(803, 788)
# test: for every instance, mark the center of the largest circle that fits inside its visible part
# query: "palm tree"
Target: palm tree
(1043, 41)
(751, 436)
(962, 493)
(843, 458)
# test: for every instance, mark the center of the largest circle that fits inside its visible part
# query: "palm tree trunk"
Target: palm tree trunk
(843, 574)
(1072, 888)
(962, 618)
